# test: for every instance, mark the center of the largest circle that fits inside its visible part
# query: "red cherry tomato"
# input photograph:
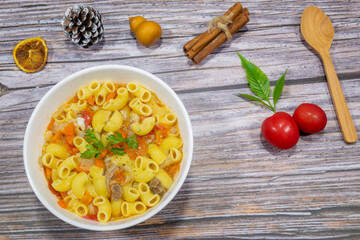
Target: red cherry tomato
(280, 130)
(310, 118)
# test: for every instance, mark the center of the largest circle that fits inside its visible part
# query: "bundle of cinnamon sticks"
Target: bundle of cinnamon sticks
(201, 46)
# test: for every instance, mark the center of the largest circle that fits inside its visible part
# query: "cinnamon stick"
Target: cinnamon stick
(238, 23)
(191, 43)
(208, 36)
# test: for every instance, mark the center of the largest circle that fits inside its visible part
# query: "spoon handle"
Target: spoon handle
(341, 108)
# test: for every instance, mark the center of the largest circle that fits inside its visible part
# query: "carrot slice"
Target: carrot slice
(62, 203)
(53, 190)
(96, 209)
(119, 85)
(160, 126)
(82, 168)
(74, 151)
(48, 173)
(120, 177)
(103, 153)
(50, 127)
(110, 96)
(58, 135)
(161, 132)
(91, 100)
(123, 133)
(69, 140)
(140, 151)
(91, 217)
(86, 199)
(63, 194)
(69, 129)
(99, 163)
(172, 170)
(118, 173)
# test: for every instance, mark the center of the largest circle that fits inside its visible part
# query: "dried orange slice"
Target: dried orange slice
(30, 54)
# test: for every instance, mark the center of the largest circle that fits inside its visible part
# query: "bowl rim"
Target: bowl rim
(145, 216)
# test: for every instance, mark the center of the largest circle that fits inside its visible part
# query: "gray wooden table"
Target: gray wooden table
(238, 186)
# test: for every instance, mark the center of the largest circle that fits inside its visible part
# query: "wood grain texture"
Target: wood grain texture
(238, 186)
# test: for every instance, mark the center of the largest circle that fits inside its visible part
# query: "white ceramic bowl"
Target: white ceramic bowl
(66, 89)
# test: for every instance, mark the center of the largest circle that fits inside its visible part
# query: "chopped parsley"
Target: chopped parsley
(96, 147)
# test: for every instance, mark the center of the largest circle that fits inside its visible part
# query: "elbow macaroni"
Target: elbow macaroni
(146, 196)
(130, 193)
(58, 150)
(139, 91)
(173, 157)
(63, 185)
(100, 186)
(80, 143)
(78, 184)
(143, 128)
(88, 91)
(105, 89)
(65, 167)
(140, 108)
(89, 187)
(114, 122)
(60, 118)
(49, 160)
(99, 120)
(107, 120)
(119, 102)
(164, 178)
(116, 207)
(74, 205)
(133, 208)
(170, 142)
(156, 154)
(156, 109)
(104, 208)
(168, 119)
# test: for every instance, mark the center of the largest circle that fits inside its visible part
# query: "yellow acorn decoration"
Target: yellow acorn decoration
(147, 32)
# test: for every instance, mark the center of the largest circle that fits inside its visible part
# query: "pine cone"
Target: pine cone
(83, 25)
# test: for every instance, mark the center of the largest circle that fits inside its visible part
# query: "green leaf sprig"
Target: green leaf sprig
(117, 138)
(96, 147)
(260, 85)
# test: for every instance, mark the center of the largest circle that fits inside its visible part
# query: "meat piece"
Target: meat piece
(116, 191)
(110, 168)
(156, 187)
(109, 165)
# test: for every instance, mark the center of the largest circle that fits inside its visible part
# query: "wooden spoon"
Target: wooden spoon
(318, 32)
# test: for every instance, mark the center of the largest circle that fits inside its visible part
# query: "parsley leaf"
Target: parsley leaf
(131, 142)
(95, 146)
(91, 138)
(116, 138)
(91, 152)
(118, 151)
